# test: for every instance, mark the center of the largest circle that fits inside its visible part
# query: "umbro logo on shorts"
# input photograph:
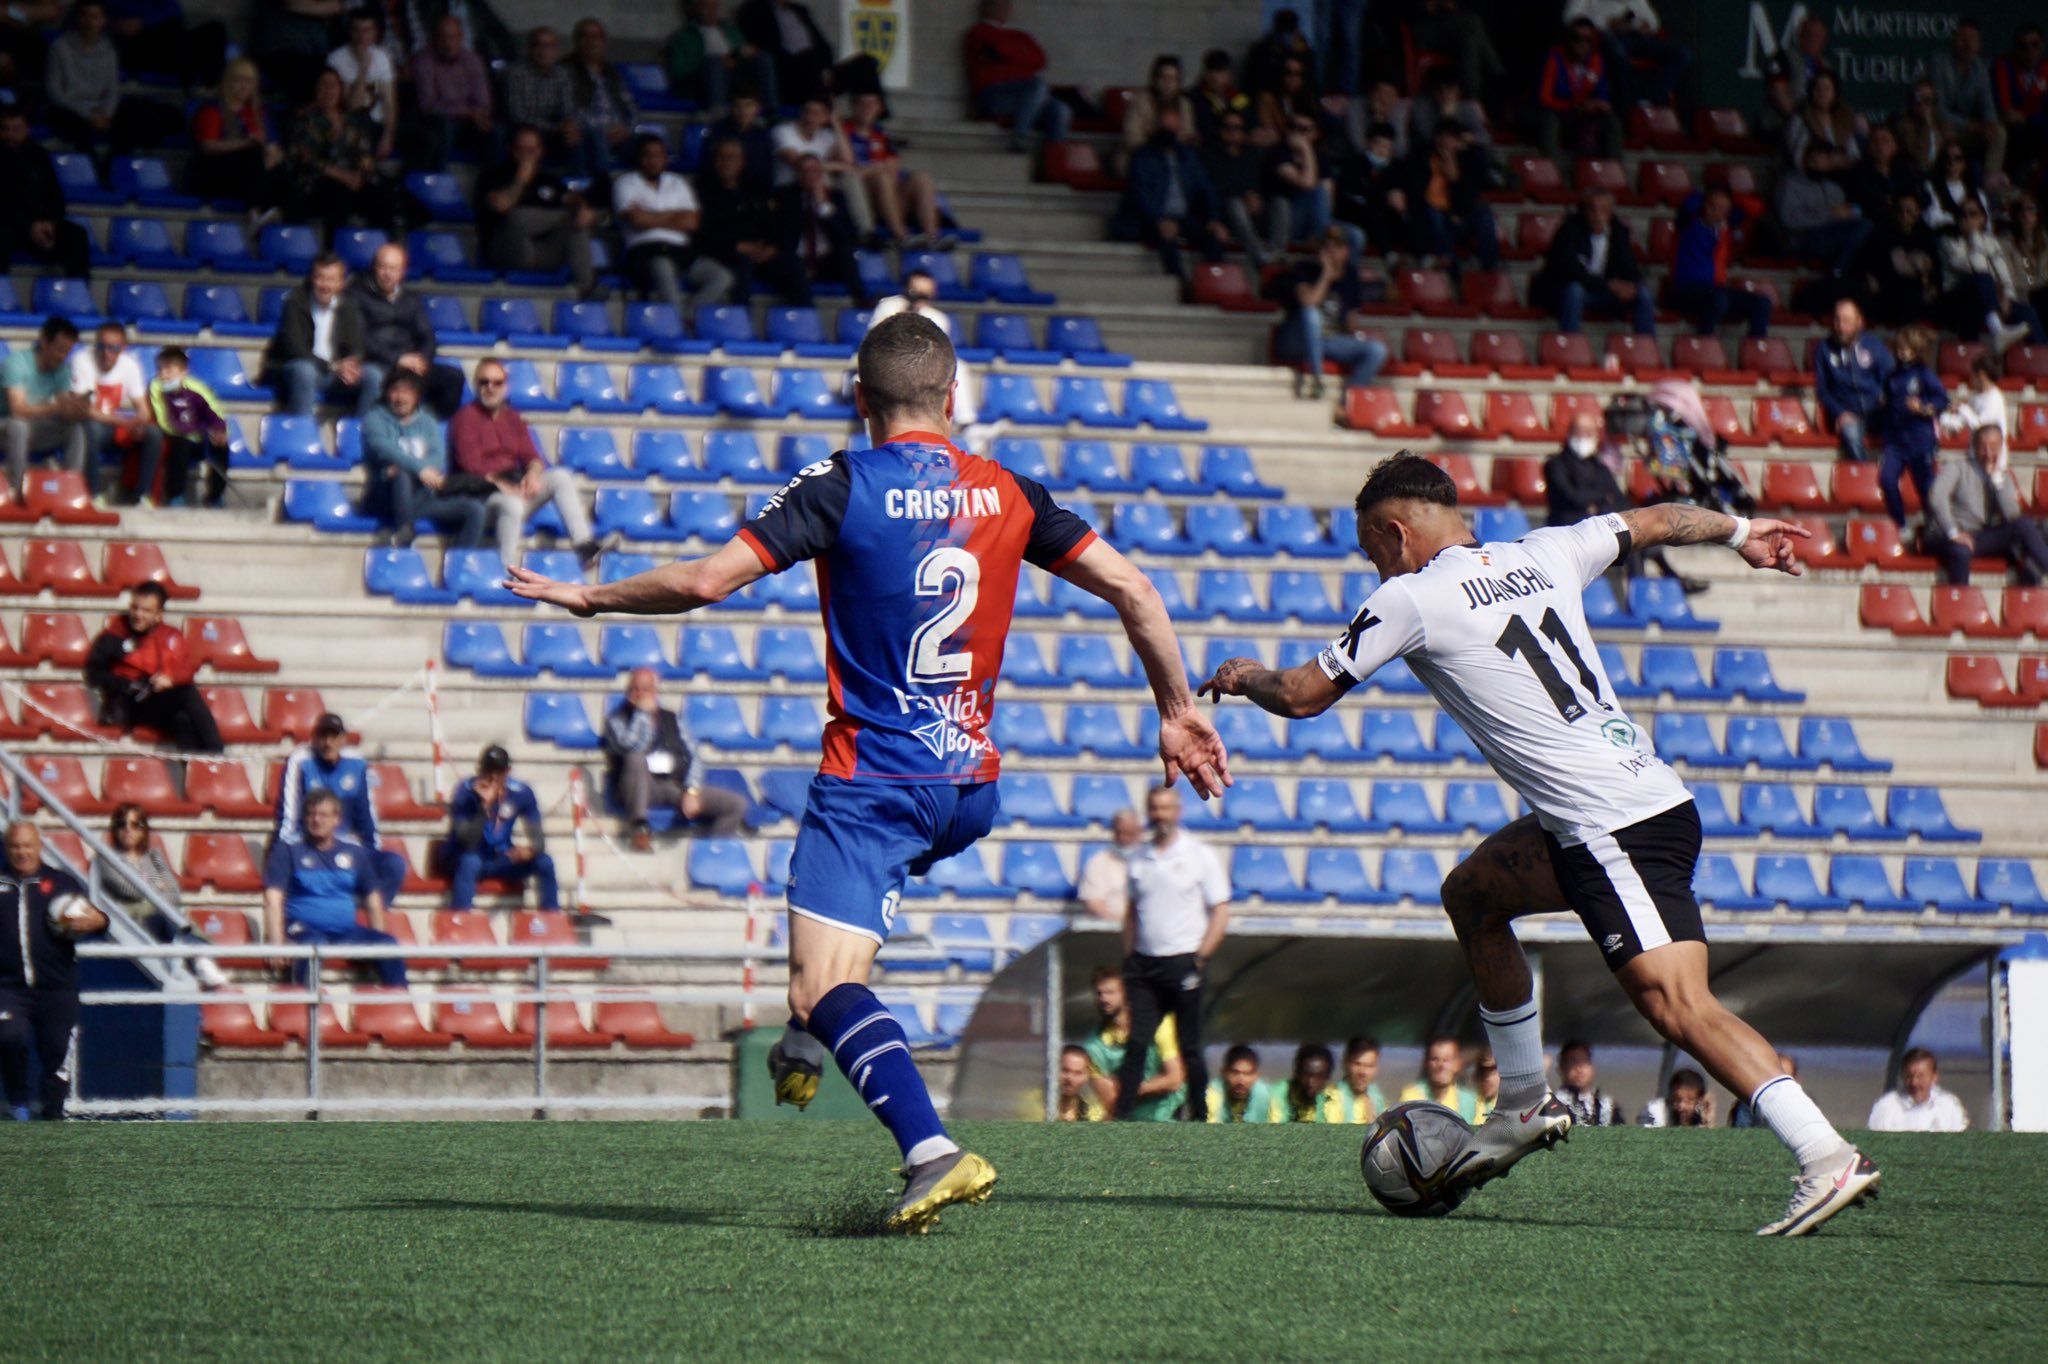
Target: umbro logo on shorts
(1611, 943)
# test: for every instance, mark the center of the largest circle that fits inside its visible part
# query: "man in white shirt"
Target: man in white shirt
(365, 68)
(1179, 912)
(812, 133)
(108, 377)
(657, 213)
(1105, 888)
(1919, 1104)
(919, 292)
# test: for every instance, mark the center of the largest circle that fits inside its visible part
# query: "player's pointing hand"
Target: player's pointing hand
(1770, 545)
(1229, 678)
(524, 582)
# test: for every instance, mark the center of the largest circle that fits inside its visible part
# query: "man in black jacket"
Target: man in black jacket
(815, 229)
(42, 909)
(736, 227)
(1446, 210)
(786, 31)
(1169, 201)
(1591, 268)
(1372, 191)
(32, 217)
(316, 353)
(649, 761)
(397, 333)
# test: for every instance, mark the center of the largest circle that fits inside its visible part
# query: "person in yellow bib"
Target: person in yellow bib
(1357, 1097)
(1078, 1100)
(1441, 1062)
(1241, 1096)
(1303, 1096)
(1164, 1087)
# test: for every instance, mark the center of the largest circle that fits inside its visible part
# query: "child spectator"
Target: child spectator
(1686, 1102)
(1913, 398)
(891, 189)
(1577, 105)
(1982, 405)
(195, 432)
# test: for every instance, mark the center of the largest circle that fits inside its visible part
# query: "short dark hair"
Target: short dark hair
(325, 259)
(905, 365)
(404, 378)
(1405, 477)
(1981, 364)
(1360, 1044)
(1105, 972)
(640, 146)
(1071, 1050)
(1685, 1077)
(1571, 1046)
(174, 355)
(150, 589)
(1162, 61)
(1918, 1054)
(1240, 1052)
(1215, 59)
(494, 758)
(1438, 1040)
(321, 797)
(57, 325)
(1308, 1051)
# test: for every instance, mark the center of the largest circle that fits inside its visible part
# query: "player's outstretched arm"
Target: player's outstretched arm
(669, 590)
(1762, 542)
(1188, 744)
(1296, 693)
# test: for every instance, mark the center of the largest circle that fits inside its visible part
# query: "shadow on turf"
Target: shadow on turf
(849, 1216)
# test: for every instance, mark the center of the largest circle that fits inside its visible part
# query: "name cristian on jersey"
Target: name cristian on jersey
(1519, 582)
(940, 504)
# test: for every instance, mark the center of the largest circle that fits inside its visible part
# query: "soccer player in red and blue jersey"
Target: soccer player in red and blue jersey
(918, 547)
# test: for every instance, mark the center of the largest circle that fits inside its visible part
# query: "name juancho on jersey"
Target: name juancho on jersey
(1519, 582)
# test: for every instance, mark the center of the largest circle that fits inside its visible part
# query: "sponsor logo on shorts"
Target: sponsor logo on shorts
(889, 902)
(1611, 943)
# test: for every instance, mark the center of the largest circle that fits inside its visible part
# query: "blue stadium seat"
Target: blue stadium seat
(1830, 739)
(1083, 399)
(2009, 881)
(402, 575)
(1396, 678)
(1220, 648)
(589, 325)
(1324, 803)
(1490, 524)
(1262, 871)
(1772, 807)
(1340, 874)
(221, 370)
(1092, 464)
(1021, 727)
(1303, 597)
(791, 720)
(851, 325)
(518, 321)
(1163, 469)
(1034, 869)
(1090, 659)
(616, 566)
(801, 330)
(1453, 743)
(1001, 276)
(1220, 526)
(478, 574)
(1717, 882)
(1069, 596)
(657, 326)
(440, 194)
(325, 506)
(621, 648)
(631, 512)
(810, 394)
(1862, 881)
(1847, 810)
(795, 591)
(480, 647)
(1615, 665)
(1715, 820)
(714, 650)
(1031, 604)
(218, 308)
(145, 244)
(965, 938)
(357, 246)
(1292, 529)
(296, 441)
(1147, 526)
(144, 305)
(559, 718)
(442, 256)
(1228, 469)
(591, 451)
(526, 391)
(559, 649)
(945, 273)
(288, 248)
(1919, 810)
(1096, 797)
(1673, 668)
(1248, 731)
(1154, 403)
(1788, 880)
(1080, 339)
(1013, 397)
(787, 652)
(1938, 881)
(1229, 593)
(1475, 805)
(1411, 873)
(451, 322)
(1681, 737)
(665, 455)
(736, 455)
(731, 329)
(964, 873)
(1322, 736)
(1662, 601)
(1027, 931)
(737, 393)
(1009, 334)
(1027, 459)
(1404, 805)
(714, 718)
(1024, 665)
(70, 297)
(223, 247)
(1761, 740)
(1358, 586)
(1028, 798)
(1255, 801)
(722, 865)
(147, 181)
(1099, 730)
(1748, 671)
(1393, 734)
(795, 453)
(1603, 612)
(80, 181)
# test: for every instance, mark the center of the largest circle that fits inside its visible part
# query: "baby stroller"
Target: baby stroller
(1687, 460)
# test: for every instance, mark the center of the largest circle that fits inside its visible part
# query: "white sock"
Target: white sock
(931, 1148)
(1797, 1121)
(1517, 1039)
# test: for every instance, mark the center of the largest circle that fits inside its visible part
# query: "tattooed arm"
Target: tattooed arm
(1299, 691)
(1767, 543)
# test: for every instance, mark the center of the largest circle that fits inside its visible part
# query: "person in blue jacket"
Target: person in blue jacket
(481, 819)
(1850, 368)
(1170, 203)
(328, 764)
(1914, 397)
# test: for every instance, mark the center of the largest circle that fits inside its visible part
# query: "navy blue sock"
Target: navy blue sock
(868, 1043)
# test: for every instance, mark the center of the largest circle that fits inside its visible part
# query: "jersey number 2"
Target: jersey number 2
(952, 571)
(1518, 638)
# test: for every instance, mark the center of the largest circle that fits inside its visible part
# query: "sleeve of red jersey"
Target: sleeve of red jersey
(802, 520)
(1057, 535)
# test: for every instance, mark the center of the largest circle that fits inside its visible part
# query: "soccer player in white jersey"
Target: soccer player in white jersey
(1497, 633)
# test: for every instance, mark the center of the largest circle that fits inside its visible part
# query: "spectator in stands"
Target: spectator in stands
(1881, 176)
(789, 35)
(486, 811)
(1686, 1102)
(1163, 1086)
(812, 133)
(1078, 1101)
(1743, 1113)
(406, 467)
(1005, 78)
(1823, 121)
(1791, 72)
(816, 229)
(1919, 1104)
(83, 93)
(142, 669)
(1447, 209)
(1974, 511)
(1340, 26)
(154, 35)
(1950, 184)
(1216, 97)
(236, 154)
(894, 193)
(107, 375)
(1923, 129)
(1297, 185)
(368, 77)
(451, 100)
(657, 213)
(1105, 886)
(1356, 1097)
(1577, 481)
(743, 124)
(708, 54)
(540, 94)
(1913, 399)
(1237, 170)
(1630, 32)
(33, 219)
(1699, 273)
(334, 164)
(39, 975)
(1308, 1090)
(1163, 90)
(135, 872)
(1589, 1105)
(1293, 98)
(600, 105)
(1820, 223)
(1283, 41)
(316, 353)
(1241, 1096)
(488, 34)
(1180, 911)
(1983, 298)
(398, 335)
(291, 42)
(1901, 264)
(1850, 370)
(1962, 86)
(650, 760)
(1591, 268)
(920, 295)
(327, 765)
(314, 890)
(1324, 321)
(195, 432)
(1486, 1081)
(1383, 103)
(2026, 251)
(1576, 103)
(1445, 104)
(492, 441)
(1442, 1059)
(1982, 405)
(39, 408)
(2020, 81)
(1449, 27)
(1169, 204)
(737, 229)
(1371, 191)
(527, 217)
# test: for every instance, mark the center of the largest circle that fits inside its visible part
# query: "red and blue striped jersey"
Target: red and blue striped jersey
(918, 546)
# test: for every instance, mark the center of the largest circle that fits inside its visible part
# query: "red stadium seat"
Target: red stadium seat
(235, 1025)
(1965, 609)
(1492, 292)
(1116, 102)
(2041, 745)
(469, 928)
(231, 716)
(2030, 432)
(1424, 349)
(1512, 416)
(218, 640)
(1566, 406)
(1657, 125)
(1855, 487)
(13, 511)
(1735, 176)
(1596, 172)
(637, 1022)
(1520, 480)
(128, 562)
(1875, 541)
(544, 928)
(2025, 609)
(64, 497)
(292, 712)
(1726, 420)
(1785, 420)
(565, 1026)
(1979, 678)
(392, 792)
(1378, 410)
(63, 710)
(1663, 182)
(145, 782)
(1445, 413)
(64, 778)
(290, 1019)
(1953, 359)
(221, 787)
(1568, 353)
(1471, 492)
(1224, 284)
(1818, 549)
(68, 848)
(10, 585)
(60, 567)
(1662, 243)
(1638, 355)
(2040, 502)
(1706, 359)
(1772, 358)
(1431, 293)
(226, 928)
(1075, 162)
(1533, 232)
(11, 657)
(1539, 179)
(1725, 130)
(1506, 355)
(1792, 487)
(2033, 679)
(416, 882)
(222, 861)
(391, 1017)
(474, 1022)
(59, 639)
(1887, 606)
(399, 926)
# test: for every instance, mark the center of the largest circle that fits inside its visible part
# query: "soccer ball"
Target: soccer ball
(1405, 1158)
(65, 911)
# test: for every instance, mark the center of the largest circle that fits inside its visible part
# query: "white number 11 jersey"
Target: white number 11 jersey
(1497, 633)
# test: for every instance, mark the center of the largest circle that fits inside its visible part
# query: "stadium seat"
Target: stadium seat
(1748, 672)
(1035, 869)
(1378, 410)
(810, 394)
(1674, 669)
(1475, 805)
(1097, 730)
(1330, 805)
(1092, 464)
(1079, 339)
(480, 647)
(1964, 609)
(62, 496)
(220, 862)
(1255, 802)
(587, 385)
(2009, 883)
(1228, 469)
(474, 1021)
(59, 567)
(393, 796)
(1027, 458)
(1662, 602)
(1981, 678)
(145, 782)
(1162, 469)
(1846, 810)
(1089, 659)
(1831, 740)
(221, 788)
(559, 717)
(1771, 807)
(1718, 884)
(1919, 810)
(1411, 873)
(966, 874)
(661, 388)
(1154, 403)
(1445, 414)
(1938, 882)
(1013, 397)
(1339, 873)
(1302, 597)
(1393, 734)
(703, 515)
(1788, 880)
(1682, 737)
(56, 638)
(1220, 526)
(1262, 871)
(1759, 739)
(1001, 276)
(1875, 542)
(1404, 805)
(1084, 400)
(1492, 292)
(1146, 526)
(1861, 881)
(64, 778)
(1715, 819)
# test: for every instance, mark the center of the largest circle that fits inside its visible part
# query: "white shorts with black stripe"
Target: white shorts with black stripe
(1633, 888)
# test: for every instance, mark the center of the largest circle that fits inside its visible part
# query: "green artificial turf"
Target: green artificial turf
(689, 1240)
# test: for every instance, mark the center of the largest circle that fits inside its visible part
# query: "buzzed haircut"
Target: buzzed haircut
(1574, 1045)
(153, 590)
(1072, 1050)
(1685, 1077)
(905, 365)
(1358, 1046)
(1240, 1052)
(57, 327)
(1406, 477)
(320, 798)
(1105, 972)
(1309, 1051)
(172, 355)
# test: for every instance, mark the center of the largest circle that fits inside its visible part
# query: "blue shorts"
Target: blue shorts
(861, 840)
